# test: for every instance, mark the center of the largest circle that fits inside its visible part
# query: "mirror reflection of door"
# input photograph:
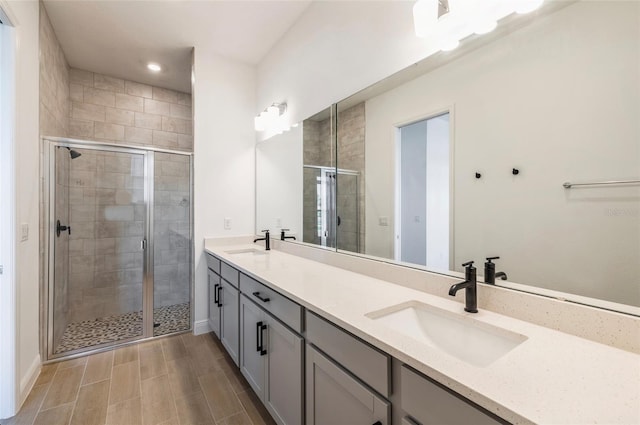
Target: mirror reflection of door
(422, 193)
(319, 206)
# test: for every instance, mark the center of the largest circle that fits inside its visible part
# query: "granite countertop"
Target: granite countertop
(552, 377)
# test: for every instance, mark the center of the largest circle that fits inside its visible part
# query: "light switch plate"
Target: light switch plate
(383, 221)
(24, 231)
(227, 223)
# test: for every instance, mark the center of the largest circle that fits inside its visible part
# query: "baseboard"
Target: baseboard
(201, 327)
(28, 381)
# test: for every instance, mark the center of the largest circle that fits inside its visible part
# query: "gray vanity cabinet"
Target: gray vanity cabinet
(214, 308)
(271, 359)
(229, 324)
(335, 397)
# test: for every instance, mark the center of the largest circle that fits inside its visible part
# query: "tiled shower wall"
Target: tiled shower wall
(54, 82)
(351, 146)
(111, 109)
(54, 121)
(318, 150)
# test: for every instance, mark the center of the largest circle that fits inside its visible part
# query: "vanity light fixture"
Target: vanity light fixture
(449, 21)
(426, 13)
(154, 67)
(273, 119)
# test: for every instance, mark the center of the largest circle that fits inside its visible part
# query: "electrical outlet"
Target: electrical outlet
(383, 221)
(279, 222)
(24, 231)
(227, 223)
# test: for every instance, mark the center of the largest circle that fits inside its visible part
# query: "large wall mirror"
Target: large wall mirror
(296, 182)
(466, 159)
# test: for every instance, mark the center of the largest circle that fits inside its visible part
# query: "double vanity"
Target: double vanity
(324, 345)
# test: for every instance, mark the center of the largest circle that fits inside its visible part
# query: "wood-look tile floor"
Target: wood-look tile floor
(181, 380)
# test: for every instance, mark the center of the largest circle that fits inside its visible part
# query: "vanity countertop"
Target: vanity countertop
(552, 377)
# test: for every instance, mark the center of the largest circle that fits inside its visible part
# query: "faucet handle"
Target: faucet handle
(468, 264)
(492, 258)
(285, 230)
(265, 231)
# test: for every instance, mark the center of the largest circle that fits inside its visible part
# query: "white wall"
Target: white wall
(279, 183)
(560, 101)
(335, 49)
(24, 16)
(224, 157)
(438, 190)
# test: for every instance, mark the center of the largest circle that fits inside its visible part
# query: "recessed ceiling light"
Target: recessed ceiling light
(154, 67)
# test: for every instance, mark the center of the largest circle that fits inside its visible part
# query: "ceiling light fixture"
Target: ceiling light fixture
(154, 67)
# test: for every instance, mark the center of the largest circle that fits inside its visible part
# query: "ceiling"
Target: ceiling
(118, 38)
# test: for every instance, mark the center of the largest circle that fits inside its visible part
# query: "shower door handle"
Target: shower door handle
(60, 228)
(143, 244)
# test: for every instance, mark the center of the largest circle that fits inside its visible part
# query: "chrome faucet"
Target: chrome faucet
(469, 285)
(266, 240)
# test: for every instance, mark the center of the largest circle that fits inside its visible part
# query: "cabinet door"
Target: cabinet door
(283, 396)
(229, 326)
(431, 404)
(214, 310)
(334, 397)
(252, 340)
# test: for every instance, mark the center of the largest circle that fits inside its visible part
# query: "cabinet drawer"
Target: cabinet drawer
(213, 263)
(431, 404)
(283, 308)
(367, 363)
(229, 274)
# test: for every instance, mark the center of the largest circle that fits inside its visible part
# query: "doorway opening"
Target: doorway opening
(422, 227)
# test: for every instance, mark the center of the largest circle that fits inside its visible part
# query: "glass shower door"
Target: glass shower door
(171, 243)
(99, 227)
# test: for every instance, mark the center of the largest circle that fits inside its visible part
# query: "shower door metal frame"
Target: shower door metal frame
(48, 147)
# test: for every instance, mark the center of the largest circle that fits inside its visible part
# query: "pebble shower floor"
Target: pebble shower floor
(77, 335)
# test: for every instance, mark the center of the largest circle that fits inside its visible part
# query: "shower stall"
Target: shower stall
(330, 207)
(119, 244)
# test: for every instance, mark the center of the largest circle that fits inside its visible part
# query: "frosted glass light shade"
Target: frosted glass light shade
(273, 112)
(259, 123)
(526, 6)
(450, 45)
(425, 17)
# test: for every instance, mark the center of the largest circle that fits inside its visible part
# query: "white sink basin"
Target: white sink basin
(247, 251)
(474, 342)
